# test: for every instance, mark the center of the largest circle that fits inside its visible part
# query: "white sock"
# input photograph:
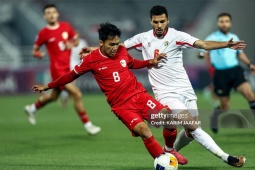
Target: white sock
(87, 125)
(168, 149)
(33, 108)
(204, 139)
(182, 140)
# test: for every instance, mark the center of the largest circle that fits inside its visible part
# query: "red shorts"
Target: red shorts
(55, 74)
(136, 109)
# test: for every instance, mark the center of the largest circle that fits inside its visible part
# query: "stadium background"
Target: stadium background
(21, 20)
(26, 147)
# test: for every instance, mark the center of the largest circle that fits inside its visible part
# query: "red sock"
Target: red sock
(170, 136)
(153, 146)
(83, 116)
(38, 104)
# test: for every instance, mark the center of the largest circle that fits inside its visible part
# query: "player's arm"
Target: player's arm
(137, 64)
(36, 52)
(212, 45)
(243, 57)
(39, 41)
(63, 80)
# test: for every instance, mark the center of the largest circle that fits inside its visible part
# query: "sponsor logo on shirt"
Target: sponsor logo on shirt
(166, 43)
(52, 39)
(123, 63)
(102, 68)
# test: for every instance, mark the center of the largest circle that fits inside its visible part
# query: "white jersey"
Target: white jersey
(170, 76)
(75, 58)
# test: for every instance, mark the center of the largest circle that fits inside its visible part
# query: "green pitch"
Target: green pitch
(58, 141)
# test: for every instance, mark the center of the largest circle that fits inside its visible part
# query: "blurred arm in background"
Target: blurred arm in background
(37, 52)
(243, 57)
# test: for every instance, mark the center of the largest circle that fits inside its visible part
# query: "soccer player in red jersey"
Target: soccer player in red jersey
(59, 38)
(129, 101)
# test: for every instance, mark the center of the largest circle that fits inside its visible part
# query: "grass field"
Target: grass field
(58, 141)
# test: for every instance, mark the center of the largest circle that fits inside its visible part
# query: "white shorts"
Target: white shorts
(181, 101)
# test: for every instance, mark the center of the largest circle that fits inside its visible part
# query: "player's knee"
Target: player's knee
(190, 128)
(143, 130)
(250, 96)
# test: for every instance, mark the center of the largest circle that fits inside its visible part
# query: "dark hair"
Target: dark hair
(49, 6)
(107, 30)
(158, 10)
(223, 15)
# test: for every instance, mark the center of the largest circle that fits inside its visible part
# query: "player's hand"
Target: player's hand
(39, 54)
(252, 68)
(158, 59)
(84, 51)
(69, 45)
(236, 45)
(40, 88)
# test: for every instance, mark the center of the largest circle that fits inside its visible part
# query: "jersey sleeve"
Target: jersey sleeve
(184, 40)
(71, 32)
(39, 39)
(84, 66)
(134, 42)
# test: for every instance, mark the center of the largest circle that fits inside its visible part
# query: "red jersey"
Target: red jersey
(54, 40)
(112, 75)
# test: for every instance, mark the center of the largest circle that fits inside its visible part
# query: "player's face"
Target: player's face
(51, 15)
(224, 24)
(110, 46)
(159, 24)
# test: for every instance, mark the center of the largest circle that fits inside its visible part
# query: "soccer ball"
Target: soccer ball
(166, 161)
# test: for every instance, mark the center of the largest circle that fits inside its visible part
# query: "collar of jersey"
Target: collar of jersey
(102, 54)
(221, 33)
(53, 28)
(162, 35)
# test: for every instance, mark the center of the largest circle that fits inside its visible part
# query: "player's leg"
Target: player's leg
(207, 142)
(246, 90)
(131, 116)
(223, 84)
(169, 135)
(152, 106)
(80, 109)
(151, 144)
(184, 137)
(42, 101)
(224, 106)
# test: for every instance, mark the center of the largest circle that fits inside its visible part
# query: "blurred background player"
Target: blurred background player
(208, 91)
(59, 38)
(74, 60)
(228, 74)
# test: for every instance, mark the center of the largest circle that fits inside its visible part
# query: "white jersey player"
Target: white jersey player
(170, 82)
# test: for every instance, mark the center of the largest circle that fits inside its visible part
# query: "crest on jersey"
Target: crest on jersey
(123, 63)
(65, 35)
(166, 43)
